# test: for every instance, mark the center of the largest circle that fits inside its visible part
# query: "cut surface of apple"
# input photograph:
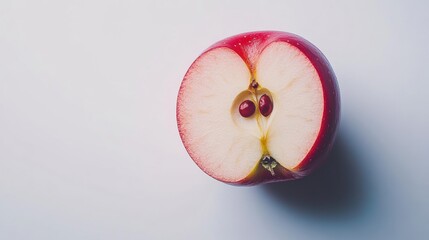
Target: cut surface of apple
(258, 107)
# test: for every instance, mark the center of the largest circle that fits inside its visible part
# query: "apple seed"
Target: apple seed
(247, 108)
(254, 84)
(265, 105)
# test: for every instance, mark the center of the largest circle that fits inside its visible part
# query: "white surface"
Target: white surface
(89, 147)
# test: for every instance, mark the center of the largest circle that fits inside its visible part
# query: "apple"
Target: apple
(259, 107)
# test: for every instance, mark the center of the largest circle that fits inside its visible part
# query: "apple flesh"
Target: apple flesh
(259, 107)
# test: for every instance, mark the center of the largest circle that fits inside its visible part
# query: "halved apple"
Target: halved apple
(259, 107)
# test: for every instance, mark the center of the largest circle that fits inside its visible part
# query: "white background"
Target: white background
(89, 147)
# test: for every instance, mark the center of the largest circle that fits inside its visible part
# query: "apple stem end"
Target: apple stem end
(269, 163)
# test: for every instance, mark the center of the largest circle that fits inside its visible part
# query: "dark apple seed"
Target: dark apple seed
(254, 84)
(247, 108)
(265, 105)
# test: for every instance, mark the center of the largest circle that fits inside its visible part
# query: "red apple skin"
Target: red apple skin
(331, 95)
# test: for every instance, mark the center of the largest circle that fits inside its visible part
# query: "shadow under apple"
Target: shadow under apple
(336, 189)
